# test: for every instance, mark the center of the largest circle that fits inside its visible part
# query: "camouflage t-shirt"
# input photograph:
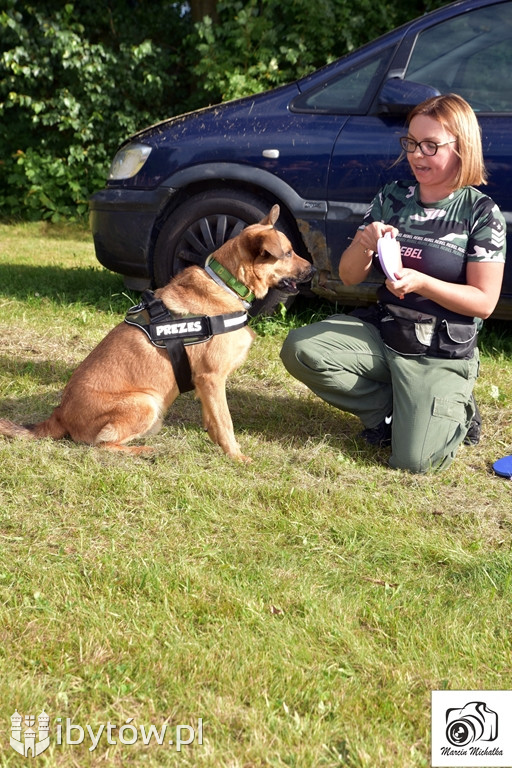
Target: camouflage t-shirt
(439, 239)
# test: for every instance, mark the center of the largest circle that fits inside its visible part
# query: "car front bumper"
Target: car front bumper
(123, 223)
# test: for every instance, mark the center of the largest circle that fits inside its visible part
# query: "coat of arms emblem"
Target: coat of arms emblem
(24, 740)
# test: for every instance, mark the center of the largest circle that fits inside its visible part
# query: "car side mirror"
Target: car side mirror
(398, 97)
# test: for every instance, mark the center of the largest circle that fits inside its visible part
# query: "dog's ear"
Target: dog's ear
(272, 216)
(269, 245)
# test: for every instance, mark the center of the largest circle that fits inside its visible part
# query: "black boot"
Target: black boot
(475, 428)
(379, 435)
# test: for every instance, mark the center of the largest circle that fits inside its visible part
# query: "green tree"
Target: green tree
(69, 95)
(77, 79)
(258, 44)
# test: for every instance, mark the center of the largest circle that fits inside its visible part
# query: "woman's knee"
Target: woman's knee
(288, 353)
(417, 465)
(421, 466)
(300, 355)
(429, 451)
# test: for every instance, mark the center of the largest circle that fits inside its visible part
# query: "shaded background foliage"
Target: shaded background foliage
(76, 79)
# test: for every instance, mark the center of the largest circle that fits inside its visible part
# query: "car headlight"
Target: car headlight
(128, 161)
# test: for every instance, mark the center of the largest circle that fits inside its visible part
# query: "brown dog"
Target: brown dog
(123, 389)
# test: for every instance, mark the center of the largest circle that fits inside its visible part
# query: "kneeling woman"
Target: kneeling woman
(407, 366)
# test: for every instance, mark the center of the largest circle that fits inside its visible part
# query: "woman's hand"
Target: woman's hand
(408, 281)
(476, 298)
(371, 234)
(356, 260)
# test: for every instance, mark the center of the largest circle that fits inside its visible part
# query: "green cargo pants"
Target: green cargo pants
(344, 361)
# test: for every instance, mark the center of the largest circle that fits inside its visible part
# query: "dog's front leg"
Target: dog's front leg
(211, 391)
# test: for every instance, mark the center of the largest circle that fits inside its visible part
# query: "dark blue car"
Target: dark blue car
(320, 147)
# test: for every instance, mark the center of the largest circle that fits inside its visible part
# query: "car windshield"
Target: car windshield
(350, 93)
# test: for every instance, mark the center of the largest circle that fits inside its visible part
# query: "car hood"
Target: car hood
(256, 105)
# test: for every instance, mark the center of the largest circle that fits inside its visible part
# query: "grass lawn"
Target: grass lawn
(297, 611)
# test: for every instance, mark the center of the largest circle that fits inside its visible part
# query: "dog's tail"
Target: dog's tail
(48, 428)
(10, 429)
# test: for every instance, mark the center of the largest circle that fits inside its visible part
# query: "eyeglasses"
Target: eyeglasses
(426, 147)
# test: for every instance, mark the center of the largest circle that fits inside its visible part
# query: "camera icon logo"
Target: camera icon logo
(473, 722)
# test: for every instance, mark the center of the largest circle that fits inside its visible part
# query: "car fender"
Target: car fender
(310, 215)
(283, 192)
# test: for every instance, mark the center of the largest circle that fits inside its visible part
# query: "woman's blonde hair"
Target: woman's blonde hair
(457, 117)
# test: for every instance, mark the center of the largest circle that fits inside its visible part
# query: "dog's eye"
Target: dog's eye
(286, 255)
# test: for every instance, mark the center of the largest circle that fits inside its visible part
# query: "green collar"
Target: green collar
(228, 280)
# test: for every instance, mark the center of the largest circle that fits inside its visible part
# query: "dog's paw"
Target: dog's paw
(238, 456)
(143, 450)
(134, 450)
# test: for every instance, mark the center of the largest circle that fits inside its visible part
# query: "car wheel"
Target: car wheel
(201, 225)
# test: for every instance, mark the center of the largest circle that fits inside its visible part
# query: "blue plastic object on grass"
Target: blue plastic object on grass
(503, 467)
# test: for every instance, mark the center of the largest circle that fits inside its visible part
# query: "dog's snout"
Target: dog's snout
(306, 273)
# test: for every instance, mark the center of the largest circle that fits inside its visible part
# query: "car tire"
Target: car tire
(202, 224)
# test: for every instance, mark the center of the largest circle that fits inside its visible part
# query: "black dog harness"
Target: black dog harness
(173, 333)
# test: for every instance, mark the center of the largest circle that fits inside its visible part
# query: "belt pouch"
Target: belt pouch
(405, 330)
(456, 340)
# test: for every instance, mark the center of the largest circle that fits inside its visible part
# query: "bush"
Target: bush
(77, 79)
(259, 44)
(66, 104)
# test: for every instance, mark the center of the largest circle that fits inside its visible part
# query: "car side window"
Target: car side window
(471, 55)
(349, 93)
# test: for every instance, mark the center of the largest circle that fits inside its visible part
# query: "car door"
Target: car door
(469, 53)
